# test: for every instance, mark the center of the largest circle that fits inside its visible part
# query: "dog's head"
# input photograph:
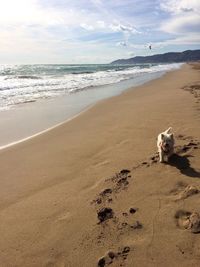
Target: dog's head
(167, 142)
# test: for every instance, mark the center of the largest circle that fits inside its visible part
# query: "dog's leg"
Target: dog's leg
(161, 155)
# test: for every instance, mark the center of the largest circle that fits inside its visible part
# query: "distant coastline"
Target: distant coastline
(171, 57)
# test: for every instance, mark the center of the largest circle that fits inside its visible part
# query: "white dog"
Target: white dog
(165, 144)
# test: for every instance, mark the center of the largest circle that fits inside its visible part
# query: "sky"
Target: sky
(95, 31)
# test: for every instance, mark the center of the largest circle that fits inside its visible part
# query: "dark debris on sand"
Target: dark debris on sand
(133, 210)
(110, 256)
(137, 225)
(105, 214)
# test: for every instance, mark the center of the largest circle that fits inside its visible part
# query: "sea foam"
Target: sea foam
(28, 83)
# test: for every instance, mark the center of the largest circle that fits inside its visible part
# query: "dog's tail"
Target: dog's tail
(168, 130)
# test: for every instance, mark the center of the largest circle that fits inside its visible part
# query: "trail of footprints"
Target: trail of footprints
(194, 89)
(120, 181)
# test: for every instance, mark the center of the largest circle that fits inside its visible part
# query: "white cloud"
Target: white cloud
(101, 24)
(127, 31)
(87, 27)
(55, 31)
(27, 12)
(184, 16)
(182, 24)
(31, 12)
(123, 44)
(189, 39)
(27, 35)
(110, 27)
(180, 6)
(119, 27)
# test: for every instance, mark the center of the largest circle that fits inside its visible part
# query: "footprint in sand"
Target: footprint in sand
(103, 196)
(111, 256)
(121, 179)
(186, 148)
(188, 220)
(125, 226)
(187, 192)
(107, 259)
(183, 191)
(191, 144)
(133, 210)
(193, 89)
(104, 214)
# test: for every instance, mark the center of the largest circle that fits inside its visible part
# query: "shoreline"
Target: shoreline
(53, 187)
(122, 88)
(44, 131)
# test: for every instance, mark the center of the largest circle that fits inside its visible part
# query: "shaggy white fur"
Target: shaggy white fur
(165, 144)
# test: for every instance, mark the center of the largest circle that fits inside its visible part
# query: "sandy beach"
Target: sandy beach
(91, 192)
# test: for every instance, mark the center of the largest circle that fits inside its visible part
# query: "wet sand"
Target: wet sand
(30, 119)
(91, 192)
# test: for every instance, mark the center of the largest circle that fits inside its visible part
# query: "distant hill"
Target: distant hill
(171, 57)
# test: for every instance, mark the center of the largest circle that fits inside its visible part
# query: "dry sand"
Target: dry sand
(52, 188)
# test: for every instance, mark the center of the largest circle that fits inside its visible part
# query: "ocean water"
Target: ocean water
(29, 83)
(36, 98)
